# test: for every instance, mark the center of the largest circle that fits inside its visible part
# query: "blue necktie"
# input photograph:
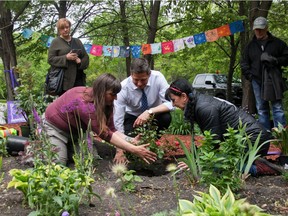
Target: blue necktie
(144, 102)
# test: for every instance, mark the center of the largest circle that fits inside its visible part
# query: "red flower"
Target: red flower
(158, 143)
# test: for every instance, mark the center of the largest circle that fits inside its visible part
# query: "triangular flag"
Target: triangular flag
(146, 49)
(27, 33)
(135, 50)
(107, 50)
(96, 50)
(189, 41)
(200, 38)
(211, 35)
(223, 31)
(178, 44)
(156, 48)
(236, 26)
(167, 47)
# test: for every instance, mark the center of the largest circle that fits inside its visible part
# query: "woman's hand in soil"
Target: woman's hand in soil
(145, 154)
(120, 157)
(181, 165)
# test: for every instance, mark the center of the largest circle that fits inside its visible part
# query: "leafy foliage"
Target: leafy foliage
(51, 188)
(223, 162)
(128, 179)
(281, 134)
(178, 124)
(149, 134)
(215, 204)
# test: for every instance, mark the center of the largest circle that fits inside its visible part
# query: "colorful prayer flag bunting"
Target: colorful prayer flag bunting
(154, 48)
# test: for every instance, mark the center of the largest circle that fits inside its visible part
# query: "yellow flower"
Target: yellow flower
(171, 167)
(119, 169)
(110, 192)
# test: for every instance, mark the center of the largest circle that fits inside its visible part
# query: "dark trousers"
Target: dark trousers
(163, 121)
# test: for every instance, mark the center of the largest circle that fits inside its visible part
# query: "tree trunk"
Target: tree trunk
(154, 14)
(9, 52)
(125, 32)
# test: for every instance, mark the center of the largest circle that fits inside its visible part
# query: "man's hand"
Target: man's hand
(182, 165)
(266, 58)
(248, 77)
(142, 119)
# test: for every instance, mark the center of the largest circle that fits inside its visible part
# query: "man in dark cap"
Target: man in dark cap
(261, 64)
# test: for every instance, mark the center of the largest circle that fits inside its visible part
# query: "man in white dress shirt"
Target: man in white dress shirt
(129, 111)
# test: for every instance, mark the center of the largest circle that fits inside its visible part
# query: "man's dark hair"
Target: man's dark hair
(140, 65)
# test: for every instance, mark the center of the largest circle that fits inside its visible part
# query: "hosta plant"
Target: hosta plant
(215, 204)
(50, 189)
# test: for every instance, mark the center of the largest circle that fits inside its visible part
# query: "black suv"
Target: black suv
(216, 85)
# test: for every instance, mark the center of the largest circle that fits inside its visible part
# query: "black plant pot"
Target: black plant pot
(15, 144)
(283, 159)
(25, 130)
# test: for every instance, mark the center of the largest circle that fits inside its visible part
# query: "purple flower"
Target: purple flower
(65, 213)
(117, 213)
(88, 107)
(36, 116)
(70, 107)
(89, 142)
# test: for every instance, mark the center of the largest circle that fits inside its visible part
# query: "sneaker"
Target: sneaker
(264, 167)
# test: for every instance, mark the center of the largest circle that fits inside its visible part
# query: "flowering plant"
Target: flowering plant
(148, 134)
(281, 135)
(49, 188)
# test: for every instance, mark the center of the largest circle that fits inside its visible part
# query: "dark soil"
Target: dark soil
(155, 194)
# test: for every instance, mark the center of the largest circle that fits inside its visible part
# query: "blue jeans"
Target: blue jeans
(263, 109)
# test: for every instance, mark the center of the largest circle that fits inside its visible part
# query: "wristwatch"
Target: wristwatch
(150, 112)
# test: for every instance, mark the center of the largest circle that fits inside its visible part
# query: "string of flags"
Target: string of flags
(154, 48)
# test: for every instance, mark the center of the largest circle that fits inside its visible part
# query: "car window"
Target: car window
(221, 79)
(200, 80)
(209, 78)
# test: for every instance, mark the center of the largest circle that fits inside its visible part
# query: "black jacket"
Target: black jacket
(215, 114)
(251, 64)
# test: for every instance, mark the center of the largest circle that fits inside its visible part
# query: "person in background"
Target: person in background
(142, 95)
(95, 104)
(215, 114)
(68, 53)
(261, 64)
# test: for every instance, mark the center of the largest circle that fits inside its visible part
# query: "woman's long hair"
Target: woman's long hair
(178, 87)
(103, 83)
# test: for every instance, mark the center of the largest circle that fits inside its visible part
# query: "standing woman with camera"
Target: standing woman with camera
(68, 53)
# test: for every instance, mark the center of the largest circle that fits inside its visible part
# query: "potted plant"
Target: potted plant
(280, 134)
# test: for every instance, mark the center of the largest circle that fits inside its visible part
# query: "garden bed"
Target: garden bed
(155, 194)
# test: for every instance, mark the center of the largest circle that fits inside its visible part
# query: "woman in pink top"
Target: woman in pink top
(95, 104)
